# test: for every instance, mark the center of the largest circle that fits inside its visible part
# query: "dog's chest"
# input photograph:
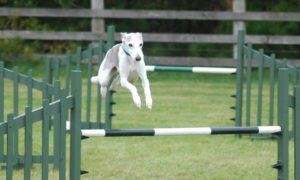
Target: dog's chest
(132, 66)
(132, 72)
(132, 77)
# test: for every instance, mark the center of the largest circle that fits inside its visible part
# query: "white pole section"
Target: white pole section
(268, 129)
(150, 68)
(93, 132)
(213, 70)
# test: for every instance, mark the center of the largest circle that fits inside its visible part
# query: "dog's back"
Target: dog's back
(111, 59)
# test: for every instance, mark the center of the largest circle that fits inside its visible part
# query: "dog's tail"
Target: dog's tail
(94, 79)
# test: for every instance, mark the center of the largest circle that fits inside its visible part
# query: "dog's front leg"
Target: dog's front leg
(136, 98)
(146, 85)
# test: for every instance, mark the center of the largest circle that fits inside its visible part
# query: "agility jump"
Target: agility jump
(68, 103)
(280, 132)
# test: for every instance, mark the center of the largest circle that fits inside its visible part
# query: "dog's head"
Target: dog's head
(132, 44)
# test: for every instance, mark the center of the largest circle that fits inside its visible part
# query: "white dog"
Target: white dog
(126, 58)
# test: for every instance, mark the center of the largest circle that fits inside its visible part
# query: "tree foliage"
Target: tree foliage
(172, 26)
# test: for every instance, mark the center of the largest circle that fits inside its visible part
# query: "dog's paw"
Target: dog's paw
(137, 101)
(103, 91)
(149, 103)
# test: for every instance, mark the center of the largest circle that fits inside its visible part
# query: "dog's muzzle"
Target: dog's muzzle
(138, 58)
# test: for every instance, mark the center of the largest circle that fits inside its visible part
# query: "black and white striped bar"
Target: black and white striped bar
(181, 131)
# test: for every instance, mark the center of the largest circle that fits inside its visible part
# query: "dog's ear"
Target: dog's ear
(140, 35)
(125, 37)
(123, 34)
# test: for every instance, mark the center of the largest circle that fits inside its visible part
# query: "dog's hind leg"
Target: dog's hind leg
(115, 83)
(104, 78)
(103, 91)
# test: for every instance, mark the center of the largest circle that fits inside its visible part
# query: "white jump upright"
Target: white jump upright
(181, 131)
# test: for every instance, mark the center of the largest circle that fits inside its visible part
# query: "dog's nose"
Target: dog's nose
(138, 58)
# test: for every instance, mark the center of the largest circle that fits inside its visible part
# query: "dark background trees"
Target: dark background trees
(166, 26)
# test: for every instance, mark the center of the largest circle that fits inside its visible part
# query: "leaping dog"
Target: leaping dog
(127, 59)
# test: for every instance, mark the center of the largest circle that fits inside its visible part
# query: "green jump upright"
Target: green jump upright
(52, 115)
(75, 150)
(283, 121)
(1, 105)
(258, 70)
(297, 133)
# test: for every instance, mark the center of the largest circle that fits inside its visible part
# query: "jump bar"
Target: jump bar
(181, 131)
(213, 70)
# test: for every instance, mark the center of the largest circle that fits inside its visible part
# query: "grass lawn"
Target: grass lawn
(180, 100)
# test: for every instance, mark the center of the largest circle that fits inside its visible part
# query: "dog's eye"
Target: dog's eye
(130, 45)
(141, 44)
